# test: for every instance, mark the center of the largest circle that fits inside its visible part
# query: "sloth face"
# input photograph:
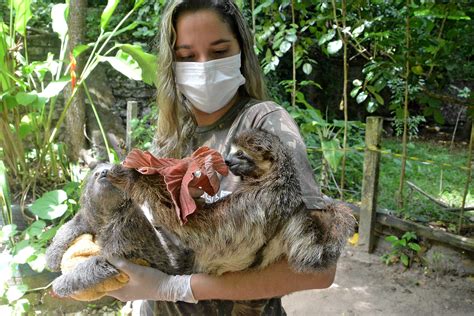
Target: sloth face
(240, 163)
(252, 153)
(100, 190)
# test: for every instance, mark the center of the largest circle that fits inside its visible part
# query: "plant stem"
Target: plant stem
(253, 18)
(87, 68)
(405, 109)
(98, 121)
(345, 104)
(39, 288)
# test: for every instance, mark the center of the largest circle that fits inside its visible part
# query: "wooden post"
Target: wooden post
(131, 114)
(468, 180)
(368, 207)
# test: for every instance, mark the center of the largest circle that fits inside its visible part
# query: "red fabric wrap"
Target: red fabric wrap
(180, 174)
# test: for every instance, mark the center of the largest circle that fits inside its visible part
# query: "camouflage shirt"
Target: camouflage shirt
(246, 114)
(268, 116)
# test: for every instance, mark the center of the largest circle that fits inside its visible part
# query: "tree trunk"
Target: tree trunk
(75, 118)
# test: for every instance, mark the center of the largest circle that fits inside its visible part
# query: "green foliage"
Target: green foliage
(29, 246)
(404, 249)
(413, 124)
(143, 130)
(27, 103)
(375, 31)
(438, 170)
(5, 199)
(29, 91)
(148, 17)
(324, 142)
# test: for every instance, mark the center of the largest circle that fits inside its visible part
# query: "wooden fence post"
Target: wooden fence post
(368, 207)
(131, 114)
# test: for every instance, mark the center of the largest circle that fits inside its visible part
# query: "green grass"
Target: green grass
(445, 183)
(444, 179)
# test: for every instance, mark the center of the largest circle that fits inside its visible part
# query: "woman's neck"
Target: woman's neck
(206, 119)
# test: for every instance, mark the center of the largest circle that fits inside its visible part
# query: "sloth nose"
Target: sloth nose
(227, 162)
(103, 173)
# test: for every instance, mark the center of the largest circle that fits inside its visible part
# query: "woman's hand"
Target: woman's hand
(151, 284)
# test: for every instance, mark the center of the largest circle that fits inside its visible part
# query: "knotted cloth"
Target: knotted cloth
(198, 171)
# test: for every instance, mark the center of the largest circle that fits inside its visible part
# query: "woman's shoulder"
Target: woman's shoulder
(258, 110)
(259, 106)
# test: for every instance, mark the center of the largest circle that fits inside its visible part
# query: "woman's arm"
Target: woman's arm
(275, 280)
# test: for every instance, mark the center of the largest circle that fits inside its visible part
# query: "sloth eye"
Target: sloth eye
(240, 154)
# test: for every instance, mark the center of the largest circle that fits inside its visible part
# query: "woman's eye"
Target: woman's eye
(185, 58)
(220, 52)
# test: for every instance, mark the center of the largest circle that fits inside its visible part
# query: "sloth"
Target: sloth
(119, 227)
(262, 221)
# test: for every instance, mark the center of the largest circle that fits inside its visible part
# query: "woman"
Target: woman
(211, 88)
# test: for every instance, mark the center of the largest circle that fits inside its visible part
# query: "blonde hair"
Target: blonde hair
(175, 123)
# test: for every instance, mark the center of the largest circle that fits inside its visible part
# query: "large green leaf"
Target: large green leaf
(146, 61)
(285, 46)
(50, 205)
(361, 97)
(7, 232)
(5, 200)
(405, 260)
(138, 3)
(332, 153)
(107, 13)
(15, 292)
(327, 37)
(23, 251)
(38, 264)
(22, 14)
(307, 68)
(334, 46)
(79, 49)
(54, 88)
(125, 64)
(58, 17)
(26, 98)
(36, 228)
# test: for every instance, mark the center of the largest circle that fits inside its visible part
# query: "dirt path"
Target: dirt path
(366, 286)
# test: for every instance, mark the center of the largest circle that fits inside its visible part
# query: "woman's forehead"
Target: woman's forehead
(204, 27)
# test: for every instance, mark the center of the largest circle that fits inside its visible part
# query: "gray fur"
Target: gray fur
(119, 227)
(263, 220)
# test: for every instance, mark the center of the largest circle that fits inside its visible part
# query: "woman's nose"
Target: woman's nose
(203, 59)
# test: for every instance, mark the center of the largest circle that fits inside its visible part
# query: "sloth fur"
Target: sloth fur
(120, 229)
(262, 221)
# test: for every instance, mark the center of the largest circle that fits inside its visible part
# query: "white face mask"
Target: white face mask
(209, 85)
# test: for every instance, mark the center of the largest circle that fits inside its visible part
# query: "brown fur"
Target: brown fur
(120, 229)
(263, 220)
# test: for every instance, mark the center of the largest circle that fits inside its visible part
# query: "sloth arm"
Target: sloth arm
(273, 281)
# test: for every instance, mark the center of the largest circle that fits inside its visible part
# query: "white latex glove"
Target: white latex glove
(151, 284)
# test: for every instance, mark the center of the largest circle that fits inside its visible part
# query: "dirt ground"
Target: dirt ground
(364, 285)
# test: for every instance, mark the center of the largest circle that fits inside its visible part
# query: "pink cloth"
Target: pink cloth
(198, 171)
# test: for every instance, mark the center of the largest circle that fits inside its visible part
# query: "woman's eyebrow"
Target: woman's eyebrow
(217, 42)
(182, 47)
(220, 41)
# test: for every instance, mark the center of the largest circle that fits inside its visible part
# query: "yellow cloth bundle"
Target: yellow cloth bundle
(82, 249)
